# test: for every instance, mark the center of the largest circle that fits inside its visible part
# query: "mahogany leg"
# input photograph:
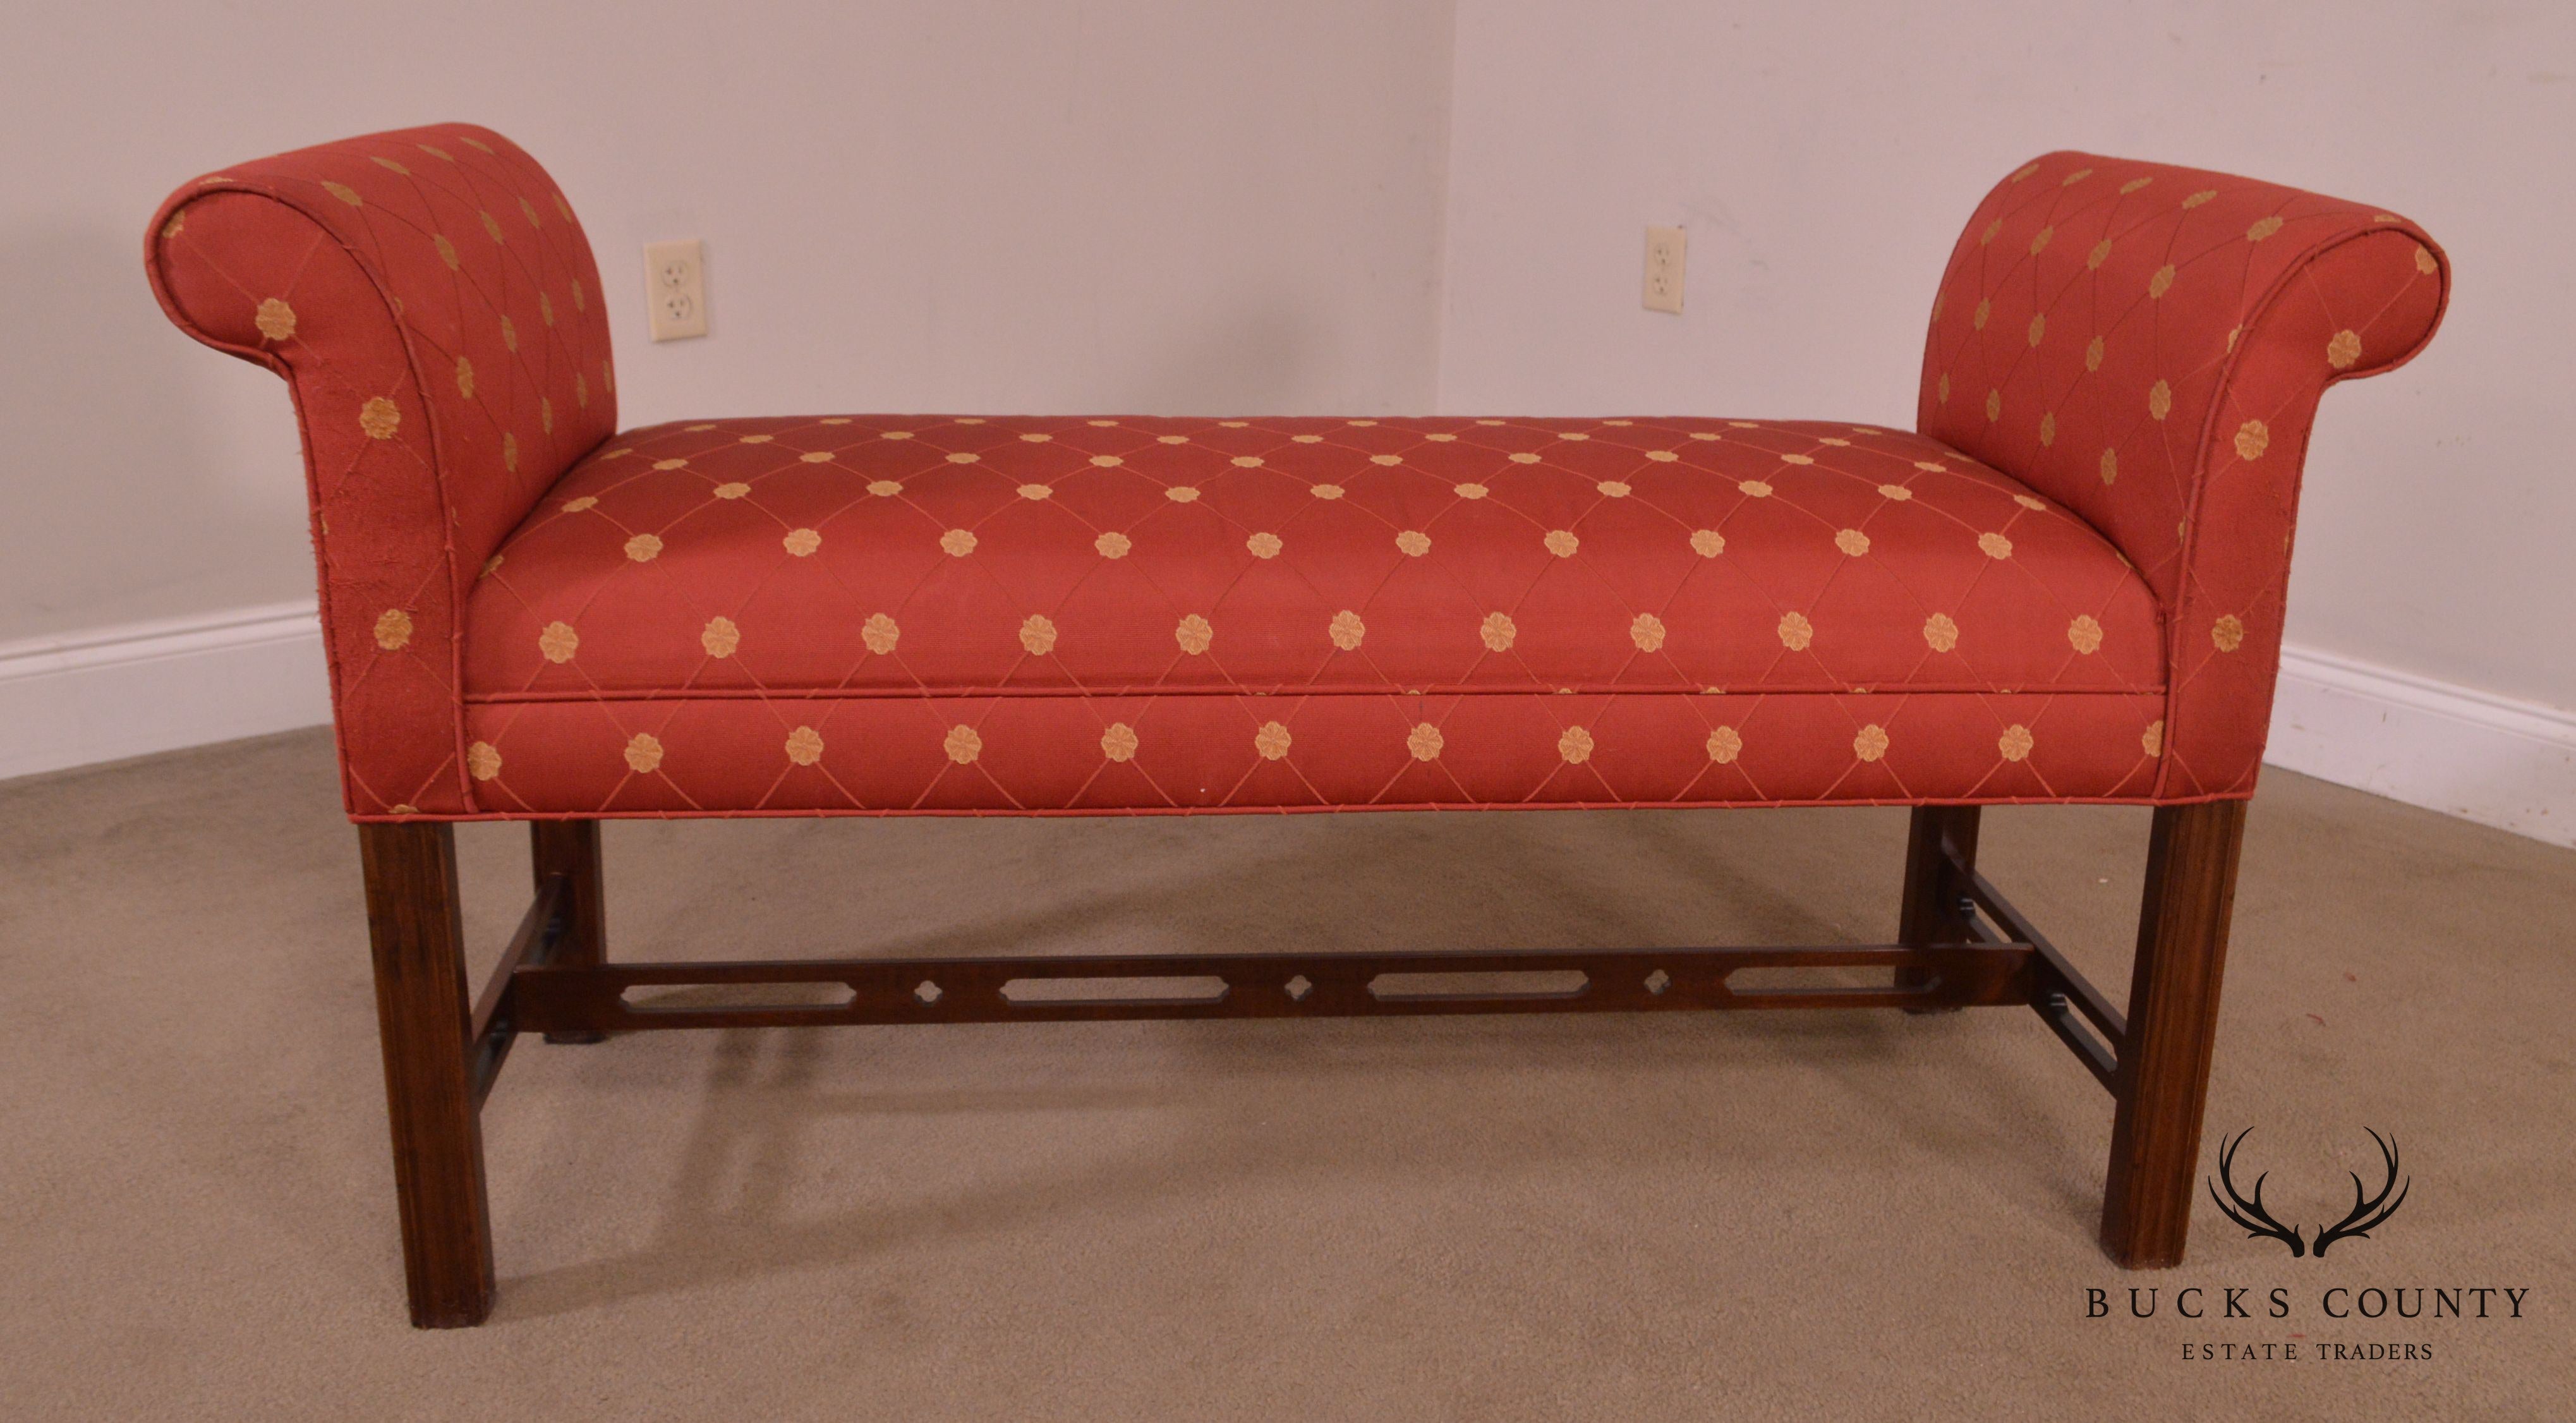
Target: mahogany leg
(2163, 1080)
(425, 1025)
(1930, 912)
(571, 848)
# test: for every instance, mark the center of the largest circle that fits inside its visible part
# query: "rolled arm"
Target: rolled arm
(434, 308)
(2147, 345)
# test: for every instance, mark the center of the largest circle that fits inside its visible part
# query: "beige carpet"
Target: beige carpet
(1826, 1215)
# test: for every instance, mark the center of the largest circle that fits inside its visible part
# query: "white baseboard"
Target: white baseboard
(2445, 747)
(127, 691)
(109, 693)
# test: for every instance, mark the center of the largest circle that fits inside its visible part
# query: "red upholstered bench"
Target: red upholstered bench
(2065, 585)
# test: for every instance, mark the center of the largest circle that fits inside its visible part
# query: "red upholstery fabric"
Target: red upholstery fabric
(1349, 580)
(2147, 345)
(434, 307)
(876, 614)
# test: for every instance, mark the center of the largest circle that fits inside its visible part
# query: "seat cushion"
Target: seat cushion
(761, 576)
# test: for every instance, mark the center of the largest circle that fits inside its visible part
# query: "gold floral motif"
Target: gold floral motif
(509, 333)
(1725, 744)
(1943, 390)
(2252, 438)
(1264, 545)
(2262, 228)
(393, 629)
(1441, 437)
(2344, 349)
(492, 227)
(1647, 631)
(1037, 634)
(1707, 543)
(734, 490)
(1662, 456)
(1247, 461)
(815, 457)
(1118, 742)
(1994, 545)
(1754, 489)
(1562, 542)
(1940, 632)
(1796, 632)
(671, 464)
(957, 543)
(2101, 253)
(528, 210)
(1194, 634)
(1413, 542)
(802, 542)
(2093, 354)
(465, 377)
(1797, 459)
(1181, 494)
(885, 488)
(379, 417)
(965, 457)
(2152, 740)
(1386, 459)
(1870, 743)
(644, 548)
(1897, 492)
(1616, 489)
(177, 224)
(1993, 230)
(1497, 631)
(2085, 634)
(1985, 308)
(1575, 746)
(2039, 240)
(2078, 176)
(2160, 400)
(2025, 170)
(2030, 502)
(275, 319)
(1113, 544)
(1272, 741)
(1852, 542)
(575, 506)
(491, 566)
(1171, 439)
(804, 746)
(1471, 491)
(2038, 327)
(545, 308)
(2048, 429)
(2161, 282)
(482, 760)
(1994, 404)
(2110, 466)
(720, 637)
(880, 633)
(2133, 185)
(963, 745)
(1424, 741)
(644, 753)
(2424, 260)
(1037, 438)
(546, 414)
(1035, 491)
(344, 193)
(2196, 199)
(1326, 491)
(2228, 633)
(2015, 743)
(557, 643)
(1346, 630)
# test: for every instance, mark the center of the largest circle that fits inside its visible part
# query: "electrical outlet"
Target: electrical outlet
(1664, 249)
(675, 289)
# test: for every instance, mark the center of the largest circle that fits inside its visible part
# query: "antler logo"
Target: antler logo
(2368, 1212)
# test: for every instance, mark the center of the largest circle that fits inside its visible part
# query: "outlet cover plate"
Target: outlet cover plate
(675, 289)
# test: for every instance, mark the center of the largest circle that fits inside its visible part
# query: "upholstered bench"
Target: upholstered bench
(2064, 585)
